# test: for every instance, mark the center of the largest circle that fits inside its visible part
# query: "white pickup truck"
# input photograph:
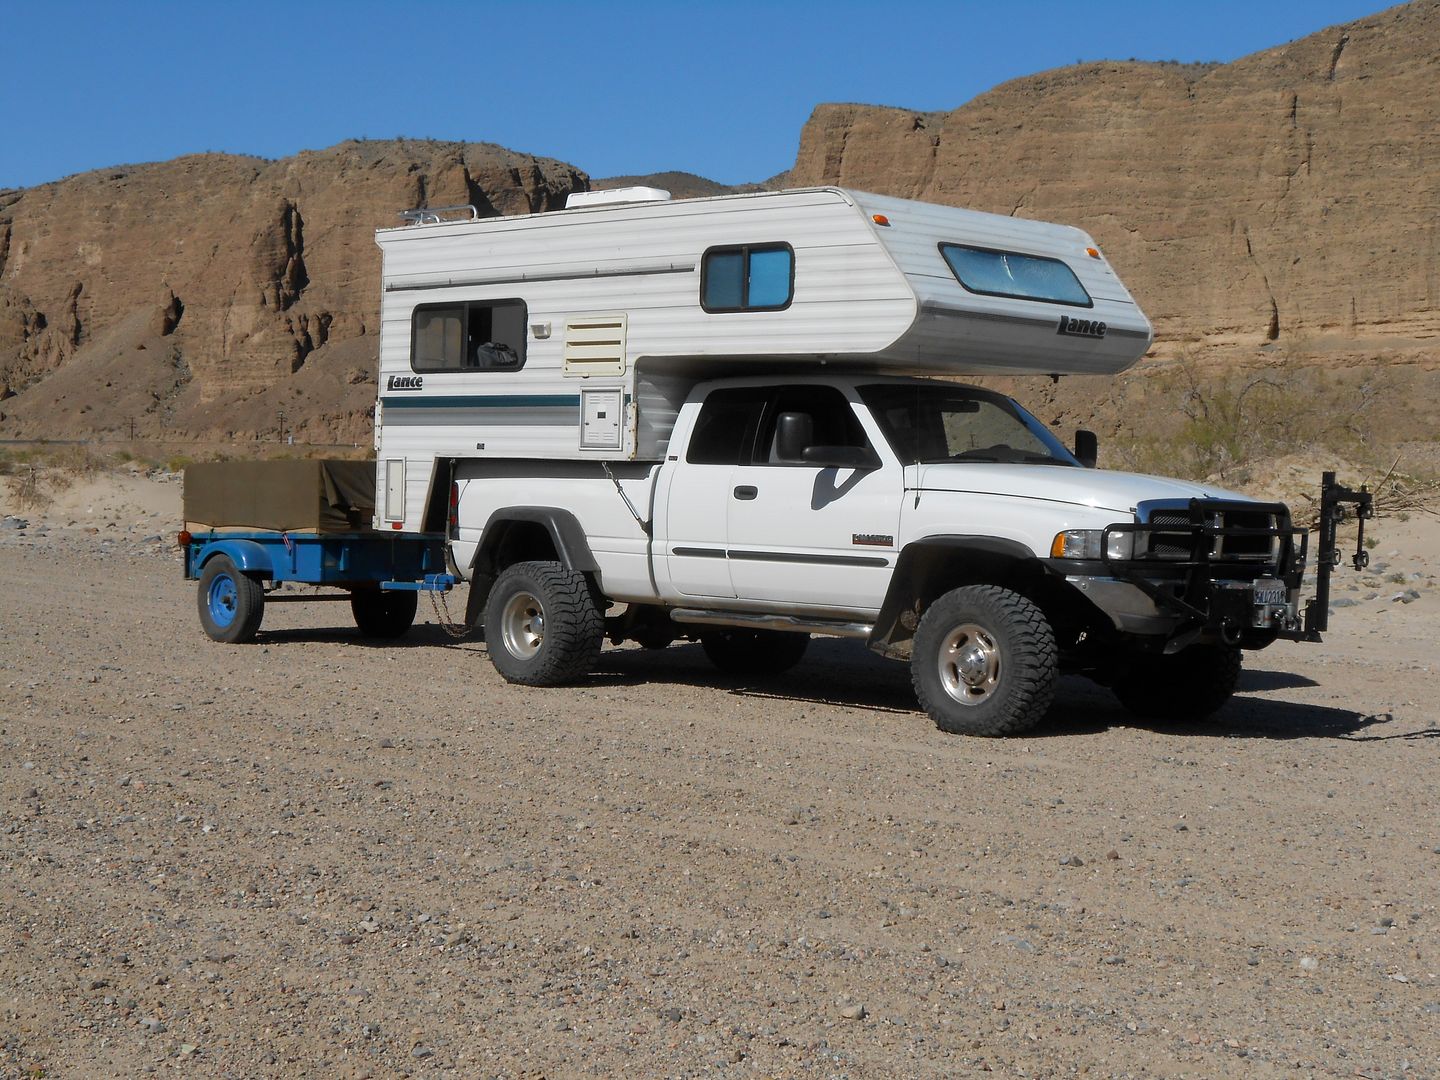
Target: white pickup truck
(938, 522)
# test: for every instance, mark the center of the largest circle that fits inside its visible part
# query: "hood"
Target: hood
(1097, 488)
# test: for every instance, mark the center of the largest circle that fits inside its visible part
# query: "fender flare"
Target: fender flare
(899, 597)
(572, 548)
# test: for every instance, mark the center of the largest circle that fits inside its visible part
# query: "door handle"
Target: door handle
(745, 491)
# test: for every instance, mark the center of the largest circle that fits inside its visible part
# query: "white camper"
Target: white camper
(578, 333)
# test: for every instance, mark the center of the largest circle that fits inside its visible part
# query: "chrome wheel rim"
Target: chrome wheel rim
(969, 664)
(522, 625)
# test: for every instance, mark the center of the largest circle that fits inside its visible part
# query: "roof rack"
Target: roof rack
(431, 215)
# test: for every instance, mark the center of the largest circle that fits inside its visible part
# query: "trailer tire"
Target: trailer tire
(384, 614)
(542, 626)
(231, 603)
(753, 653)
(984, 662)
(1189, 685)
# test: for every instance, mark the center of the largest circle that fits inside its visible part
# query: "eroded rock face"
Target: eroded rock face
(205, 295)
(1293, 192)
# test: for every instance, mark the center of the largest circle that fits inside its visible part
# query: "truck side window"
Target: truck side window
(835, 421)
(753, 277)
(476, 335)
(725, 430)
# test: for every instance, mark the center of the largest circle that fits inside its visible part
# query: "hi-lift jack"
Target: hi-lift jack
(1333, 499)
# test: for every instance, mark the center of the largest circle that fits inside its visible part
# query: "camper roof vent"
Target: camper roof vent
(434, 215)
(614, 196)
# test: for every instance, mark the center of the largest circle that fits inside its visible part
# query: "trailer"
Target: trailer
(251, 527)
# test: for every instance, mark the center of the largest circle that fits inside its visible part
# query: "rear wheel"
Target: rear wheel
(382, 613)
(1188, 685)
(737, 651)
(984, 662)
(542, 625)
(231, 603)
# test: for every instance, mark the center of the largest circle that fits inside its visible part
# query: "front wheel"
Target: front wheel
(1188, 685)
(231, 603)
(542, 626)
(381, 613)
(984, 662)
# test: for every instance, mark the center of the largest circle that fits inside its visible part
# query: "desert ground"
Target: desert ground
(314, 856)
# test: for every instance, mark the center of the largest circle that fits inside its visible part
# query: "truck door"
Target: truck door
(698, 498)
(805, 534)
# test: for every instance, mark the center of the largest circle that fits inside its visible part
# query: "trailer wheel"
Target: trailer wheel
(753, 653)
(384, 614)
(542, 627)
(1188, 685)
(984, 662)
(231, 603)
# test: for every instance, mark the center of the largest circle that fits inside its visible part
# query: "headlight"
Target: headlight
(1086, 544)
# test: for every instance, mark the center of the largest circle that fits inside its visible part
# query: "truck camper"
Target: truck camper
(739, 420)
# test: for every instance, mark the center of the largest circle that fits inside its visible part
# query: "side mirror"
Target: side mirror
(842, 457)
(794, 432)
(1087, 448)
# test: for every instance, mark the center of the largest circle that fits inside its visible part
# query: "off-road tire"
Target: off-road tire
(753, 653)
(1189, 685)
(542, 626)
(231, 603)
(384, 614)
(984, 662)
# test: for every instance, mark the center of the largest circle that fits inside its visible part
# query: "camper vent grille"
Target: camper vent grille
(595, 345)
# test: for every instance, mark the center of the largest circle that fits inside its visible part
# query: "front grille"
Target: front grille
(1212, 531)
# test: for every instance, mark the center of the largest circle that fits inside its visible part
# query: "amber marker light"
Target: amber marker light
(1094, 253)
(880, 219)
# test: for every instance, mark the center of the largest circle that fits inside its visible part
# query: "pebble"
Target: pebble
(422, 1052)
(1309, 963)
(153, 1024)
(14, 523)
(1071, 860)
(853, 1012)
(673, 1015)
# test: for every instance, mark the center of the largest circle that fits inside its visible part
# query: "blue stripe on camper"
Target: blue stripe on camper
(483, 401)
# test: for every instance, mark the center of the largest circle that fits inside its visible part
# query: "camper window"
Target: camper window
(754, 277)
(1021, 277)
(479, 335)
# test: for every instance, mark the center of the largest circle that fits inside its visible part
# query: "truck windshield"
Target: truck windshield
(933, 422)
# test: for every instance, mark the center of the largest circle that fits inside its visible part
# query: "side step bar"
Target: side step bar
(787, 623)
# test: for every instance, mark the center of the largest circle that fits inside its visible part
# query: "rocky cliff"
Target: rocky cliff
(1283, 209)
(222, 297)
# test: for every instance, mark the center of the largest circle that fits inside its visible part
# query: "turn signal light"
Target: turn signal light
(881, 219)
(1094, 253)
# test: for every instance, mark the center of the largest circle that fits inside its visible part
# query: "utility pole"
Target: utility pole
(281, 414)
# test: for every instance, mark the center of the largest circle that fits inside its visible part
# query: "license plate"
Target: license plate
(1269, 593)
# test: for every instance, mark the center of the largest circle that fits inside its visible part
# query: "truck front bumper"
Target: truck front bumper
(1148, 606)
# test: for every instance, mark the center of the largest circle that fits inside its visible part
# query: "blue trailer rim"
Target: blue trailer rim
(222, 600)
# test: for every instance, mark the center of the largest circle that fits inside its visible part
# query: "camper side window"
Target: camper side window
(753, 277)
(478, 335)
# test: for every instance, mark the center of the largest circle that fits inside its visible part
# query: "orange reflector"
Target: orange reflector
(397, 525)
(880, 219)
(1092, 252)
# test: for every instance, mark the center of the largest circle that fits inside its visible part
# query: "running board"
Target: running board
(786, 623)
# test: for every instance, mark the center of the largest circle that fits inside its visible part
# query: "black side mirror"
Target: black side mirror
(794, 433)
(842, 457)
(1087, 448)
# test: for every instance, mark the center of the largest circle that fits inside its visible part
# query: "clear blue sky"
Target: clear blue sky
(719, 89)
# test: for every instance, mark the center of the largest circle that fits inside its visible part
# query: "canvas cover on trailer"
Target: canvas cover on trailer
(328, 496)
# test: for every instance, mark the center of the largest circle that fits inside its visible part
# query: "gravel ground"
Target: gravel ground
(315, 856)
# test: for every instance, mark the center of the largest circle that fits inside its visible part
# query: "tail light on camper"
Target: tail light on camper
(453, 521)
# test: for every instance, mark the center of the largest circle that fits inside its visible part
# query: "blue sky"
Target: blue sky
(719, 89)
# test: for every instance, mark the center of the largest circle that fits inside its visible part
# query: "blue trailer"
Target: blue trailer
(323, 537)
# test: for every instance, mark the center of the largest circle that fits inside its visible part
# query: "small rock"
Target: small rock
(422, 1052)
(562, 1024)
(1113, 959)
(1309, 963)
(14, 523)
(153, 1024)
(387, 744)
(853, 1012)
(1071, 860)
(1112, 854)
(673, 1015)
(1182, 827)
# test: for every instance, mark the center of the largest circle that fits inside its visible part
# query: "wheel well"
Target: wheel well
(926, 571)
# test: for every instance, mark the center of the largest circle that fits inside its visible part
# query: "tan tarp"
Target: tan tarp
(319, 496)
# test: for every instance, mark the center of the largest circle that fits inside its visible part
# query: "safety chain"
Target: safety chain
(456, 630)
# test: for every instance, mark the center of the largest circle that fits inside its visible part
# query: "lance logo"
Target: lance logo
(405, 382)
(1081, 327)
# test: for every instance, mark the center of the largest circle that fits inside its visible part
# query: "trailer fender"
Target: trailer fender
(248, 556)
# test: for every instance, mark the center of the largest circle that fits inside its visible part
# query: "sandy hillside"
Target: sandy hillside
(317, 857)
